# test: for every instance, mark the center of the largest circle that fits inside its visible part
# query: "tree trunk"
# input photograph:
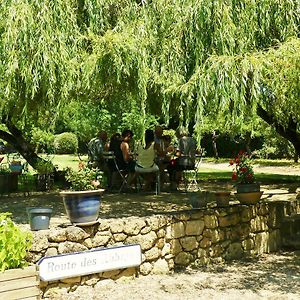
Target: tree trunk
(289, 132)
(15, 138)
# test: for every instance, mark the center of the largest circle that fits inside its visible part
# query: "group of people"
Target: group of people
(155, 154)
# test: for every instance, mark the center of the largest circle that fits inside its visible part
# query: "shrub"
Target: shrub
(66, 143)
(42, 140)
(14, 243)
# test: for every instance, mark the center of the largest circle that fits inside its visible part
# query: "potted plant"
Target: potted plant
(44, 176)
(248, 191)
(17, 279)
(82, 201)
(8, 180)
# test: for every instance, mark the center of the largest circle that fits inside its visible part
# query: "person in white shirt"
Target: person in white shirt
(145, 163)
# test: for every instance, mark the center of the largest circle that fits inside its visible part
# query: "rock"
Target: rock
(117, 226)
(176, 230)
(189, 243)
(194, 227)
(146, 241)
(76, 234)
(100, 239)
(71, 280)
(160, 267)
(69, 247)
(152, 254)
(176, 247)
(183, 259)
(133, 226)
(57, 235)
(119, 237)
(210, 221)
(234, 251)
(39, 242)
(145, 268)
(51, 252)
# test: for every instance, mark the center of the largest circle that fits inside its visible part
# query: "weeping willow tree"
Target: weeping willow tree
(188, 59)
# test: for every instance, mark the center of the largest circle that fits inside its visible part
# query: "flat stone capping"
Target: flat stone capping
(169, 240)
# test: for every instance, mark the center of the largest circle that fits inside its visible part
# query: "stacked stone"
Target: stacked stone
(198, 236)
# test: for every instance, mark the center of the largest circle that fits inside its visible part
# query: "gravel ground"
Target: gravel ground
(272, 276)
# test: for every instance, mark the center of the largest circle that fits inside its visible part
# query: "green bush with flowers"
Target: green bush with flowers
(242, 168)
(84, 178)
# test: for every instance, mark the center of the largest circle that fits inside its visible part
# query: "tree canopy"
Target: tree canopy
(192, 59)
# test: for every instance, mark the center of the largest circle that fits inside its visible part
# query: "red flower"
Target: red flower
(231, 162)
(81, 165)
(234, 176)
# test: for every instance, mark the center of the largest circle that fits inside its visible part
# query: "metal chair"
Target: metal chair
(109, 156)
(190, 175)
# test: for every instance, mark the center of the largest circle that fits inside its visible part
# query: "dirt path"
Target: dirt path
(272, 276)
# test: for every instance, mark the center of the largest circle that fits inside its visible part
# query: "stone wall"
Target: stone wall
(198, 236)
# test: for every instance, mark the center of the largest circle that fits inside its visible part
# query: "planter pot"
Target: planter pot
(16, 167)
(82, 207)
(248, 198)
(247, 187)
(200, 199)
(222, 198)
(20, 284)
(8, 183)
(39, 217)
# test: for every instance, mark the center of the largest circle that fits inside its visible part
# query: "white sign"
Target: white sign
(89, 262)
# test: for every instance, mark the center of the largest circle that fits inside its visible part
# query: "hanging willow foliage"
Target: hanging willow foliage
(198, 57)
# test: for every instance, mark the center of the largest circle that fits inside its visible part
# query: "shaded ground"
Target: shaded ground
(141, 204)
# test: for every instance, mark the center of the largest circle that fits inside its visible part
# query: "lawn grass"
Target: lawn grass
(219, 175)
(259, 162)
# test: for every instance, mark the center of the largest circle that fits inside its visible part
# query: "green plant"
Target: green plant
(84, 179)
(66, 143)
(42, 140)
(243, 170)
(44, 167)
(14, 243)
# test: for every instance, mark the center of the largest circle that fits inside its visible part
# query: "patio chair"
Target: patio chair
(190, 175)
(111, 163)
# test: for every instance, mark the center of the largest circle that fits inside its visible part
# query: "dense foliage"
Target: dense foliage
(14, 243)
(193, 60)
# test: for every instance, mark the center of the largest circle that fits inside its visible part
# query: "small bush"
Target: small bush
(42, 140)
(66, 143)
(14, 244)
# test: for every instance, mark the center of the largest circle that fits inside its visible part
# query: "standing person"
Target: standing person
(96, 146)
(145, 160)
(214, 137)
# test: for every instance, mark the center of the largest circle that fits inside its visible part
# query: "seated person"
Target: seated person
(96, 146)
(185, 154)
(145, 160)
(124, 160)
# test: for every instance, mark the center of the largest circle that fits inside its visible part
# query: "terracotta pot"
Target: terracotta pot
(247, 187)
(248, 198)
